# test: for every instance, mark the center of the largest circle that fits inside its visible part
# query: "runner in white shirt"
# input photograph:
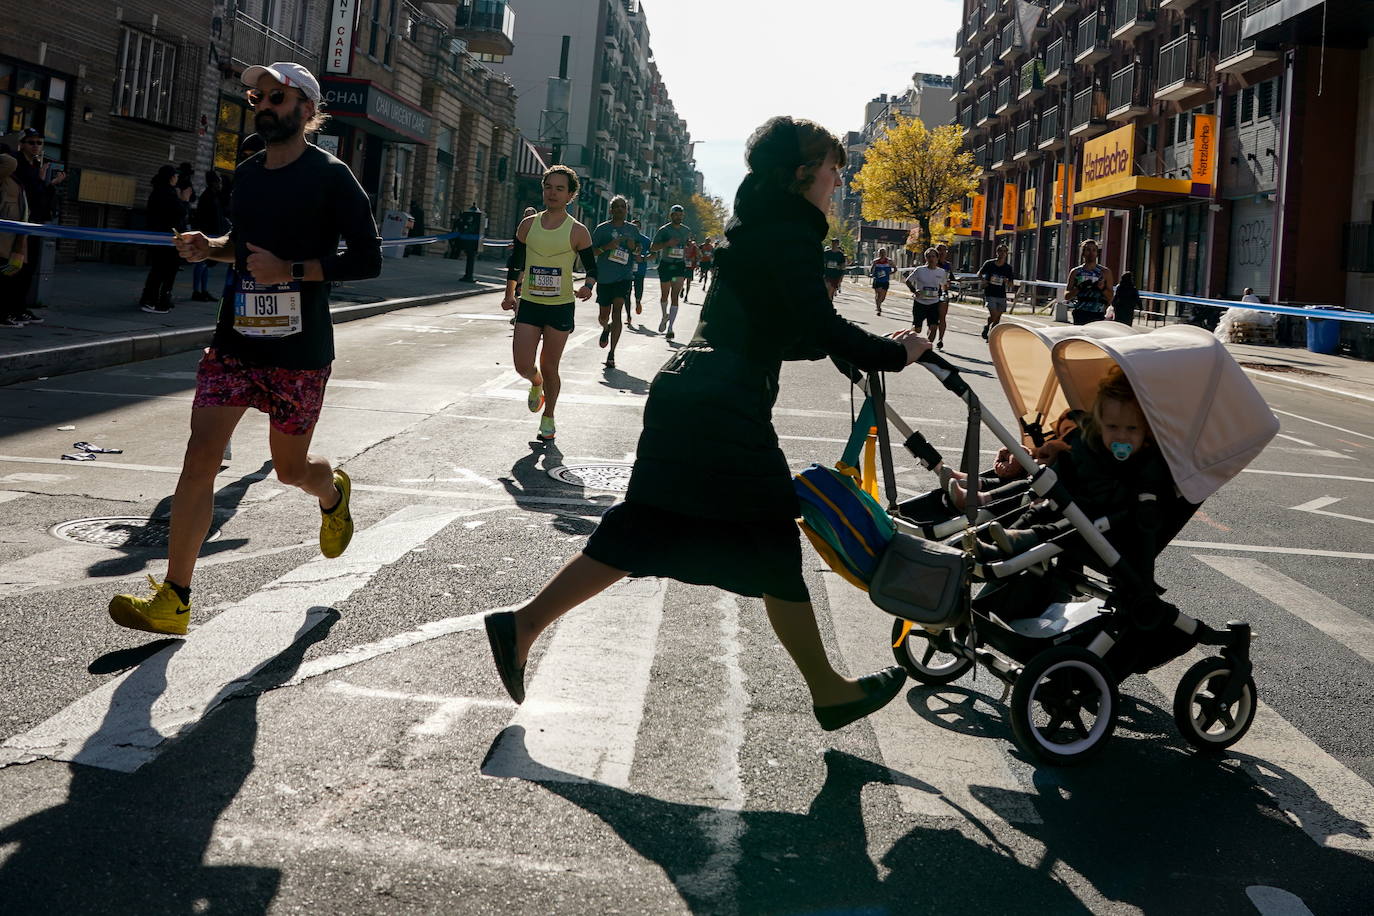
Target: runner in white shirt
(926, 283)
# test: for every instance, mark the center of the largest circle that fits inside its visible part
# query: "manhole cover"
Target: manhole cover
(119, 532)
(614, 477)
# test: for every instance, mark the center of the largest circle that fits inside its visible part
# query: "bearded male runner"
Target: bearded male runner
(274, 341)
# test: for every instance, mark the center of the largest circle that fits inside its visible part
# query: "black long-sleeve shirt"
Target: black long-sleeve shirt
(299, 212)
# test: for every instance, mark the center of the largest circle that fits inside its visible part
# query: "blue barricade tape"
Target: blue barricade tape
(1296, 311)
(135, 237)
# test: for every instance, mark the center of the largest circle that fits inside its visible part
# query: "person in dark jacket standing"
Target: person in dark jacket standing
(1126, 301)
(166, 213)
(209, 220)
(711, 499)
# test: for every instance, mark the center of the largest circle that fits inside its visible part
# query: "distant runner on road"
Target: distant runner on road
(273, 344)
(641, 271)
(999, 281)
(881, 271)
(671, 243)
(616, 243)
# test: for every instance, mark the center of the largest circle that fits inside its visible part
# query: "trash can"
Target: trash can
(1323, 334)
(394, 226)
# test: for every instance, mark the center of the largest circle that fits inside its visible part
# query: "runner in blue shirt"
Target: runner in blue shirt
(641, 271)
(881, 271)
(615, 244)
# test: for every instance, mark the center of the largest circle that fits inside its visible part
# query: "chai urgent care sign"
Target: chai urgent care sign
(1106, 159)
(343, 18)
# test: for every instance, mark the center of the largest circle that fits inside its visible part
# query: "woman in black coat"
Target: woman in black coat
(710, 500)
(166, 212)
(1126, 300)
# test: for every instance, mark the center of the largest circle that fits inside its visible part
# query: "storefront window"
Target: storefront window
(33, 98)
(1183, 247)
(231, 126)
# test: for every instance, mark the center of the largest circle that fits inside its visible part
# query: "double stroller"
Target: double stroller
(1062, 619)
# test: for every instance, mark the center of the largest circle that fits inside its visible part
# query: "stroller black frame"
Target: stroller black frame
(1055, 680)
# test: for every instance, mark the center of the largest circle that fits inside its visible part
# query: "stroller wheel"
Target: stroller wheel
(1063, 705)
(926, 657)
(1202, 718)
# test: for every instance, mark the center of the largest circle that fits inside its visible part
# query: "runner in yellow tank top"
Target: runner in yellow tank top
(547, 247)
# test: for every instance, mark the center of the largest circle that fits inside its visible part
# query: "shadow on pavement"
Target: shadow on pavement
(530, 477)
(227, 499)
(1147, 825)
(137, 842)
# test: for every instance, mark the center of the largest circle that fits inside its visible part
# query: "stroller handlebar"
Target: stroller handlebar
(945, 371)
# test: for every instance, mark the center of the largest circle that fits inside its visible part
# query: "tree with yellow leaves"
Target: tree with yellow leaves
(706, 216)
(914, 174)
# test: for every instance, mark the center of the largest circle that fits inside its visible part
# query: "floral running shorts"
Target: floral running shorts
(291, 398)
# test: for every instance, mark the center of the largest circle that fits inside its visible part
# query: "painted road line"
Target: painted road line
(1275, 901)
(1341, 429)
(9, 496)
(722, 786)
(1352, 630)
(1318, 507)
(949, 761)
(121, 725)
(447, 709)
(67, 567)
(1311, 452)
(1315, 791)
(585, 698)
(503, 498)
(1259, 548)
(186, 399)
(423, 633)
(1311, 476)
(1288, 380)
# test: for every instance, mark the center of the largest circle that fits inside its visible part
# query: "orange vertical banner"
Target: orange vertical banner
(980, 211)
(1204, 154)
(1008, 206)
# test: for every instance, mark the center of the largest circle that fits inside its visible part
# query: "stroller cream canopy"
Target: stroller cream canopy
(1021, 357)
(1207, 418)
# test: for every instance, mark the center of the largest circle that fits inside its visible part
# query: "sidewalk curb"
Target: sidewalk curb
(116, 351)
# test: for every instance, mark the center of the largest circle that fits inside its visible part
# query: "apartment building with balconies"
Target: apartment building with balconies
(1166, 129)
(591, 96)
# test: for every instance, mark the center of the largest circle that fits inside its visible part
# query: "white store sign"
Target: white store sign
(341, 21)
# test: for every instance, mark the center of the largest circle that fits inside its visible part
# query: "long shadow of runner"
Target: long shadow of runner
(227, 499)
(529, 476)
(816, 862)
(136, 842)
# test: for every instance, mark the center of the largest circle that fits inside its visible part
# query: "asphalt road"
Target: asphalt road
(332, 736)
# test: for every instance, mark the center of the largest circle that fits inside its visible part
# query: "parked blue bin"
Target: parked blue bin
(1323, 335)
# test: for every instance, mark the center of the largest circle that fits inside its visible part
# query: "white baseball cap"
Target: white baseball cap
(288, 74)
(676, 208)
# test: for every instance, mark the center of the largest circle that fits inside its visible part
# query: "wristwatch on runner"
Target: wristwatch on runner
(297, 270)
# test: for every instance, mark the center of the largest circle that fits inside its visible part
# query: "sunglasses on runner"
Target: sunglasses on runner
(276, 97)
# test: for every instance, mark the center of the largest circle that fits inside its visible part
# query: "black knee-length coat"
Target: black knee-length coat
(708, 448)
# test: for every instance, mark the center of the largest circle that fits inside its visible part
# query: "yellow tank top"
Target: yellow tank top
(549, 261)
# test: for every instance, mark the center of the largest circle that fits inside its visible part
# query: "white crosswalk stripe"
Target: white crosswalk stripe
(121, 725)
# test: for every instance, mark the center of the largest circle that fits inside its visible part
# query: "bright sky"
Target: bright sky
(730, 65)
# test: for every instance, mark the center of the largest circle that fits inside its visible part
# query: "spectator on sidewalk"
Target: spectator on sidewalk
(164, 214)
(417, 229)
(1126, 301)
(208, 219)
(1090, 285)
(14, 280)
(469, 237)
(40, 180)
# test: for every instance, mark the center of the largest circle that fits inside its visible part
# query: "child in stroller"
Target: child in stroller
(1068, 606)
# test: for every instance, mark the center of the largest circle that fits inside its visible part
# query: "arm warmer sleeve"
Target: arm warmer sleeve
(516, 265)
(588, 262)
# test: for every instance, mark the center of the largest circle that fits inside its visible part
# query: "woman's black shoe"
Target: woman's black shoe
(879, 689)
(501, 635)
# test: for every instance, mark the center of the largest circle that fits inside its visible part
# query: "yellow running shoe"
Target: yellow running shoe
(535, 401)
(336, 525)
(164, 612)
(546, 429)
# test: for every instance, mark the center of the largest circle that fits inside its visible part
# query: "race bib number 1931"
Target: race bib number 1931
(267, 310)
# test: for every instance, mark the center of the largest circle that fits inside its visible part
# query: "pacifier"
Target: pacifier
(1121, 450)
